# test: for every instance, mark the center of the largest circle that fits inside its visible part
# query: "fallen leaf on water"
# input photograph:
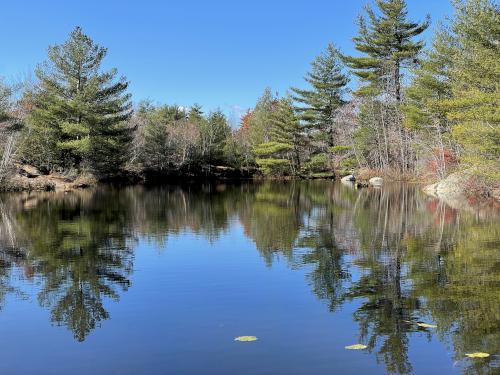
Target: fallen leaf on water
(245, 338)
(356, 347)
(425, 325)
(477, 355)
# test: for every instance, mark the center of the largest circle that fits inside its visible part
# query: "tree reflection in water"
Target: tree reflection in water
(404, 257)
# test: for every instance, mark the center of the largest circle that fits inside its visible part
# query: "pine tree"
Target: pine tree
(281, 154)
(387, 44)
(475, 105)
(425, 111)
(156, 146)
(431, 85)
(259, 122)
(80, 111)
(213, 134)
(318, 105)
(195, 113)
(386, 41)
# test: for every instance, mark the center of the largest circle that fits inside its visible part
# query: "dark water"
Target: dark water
(161, 281)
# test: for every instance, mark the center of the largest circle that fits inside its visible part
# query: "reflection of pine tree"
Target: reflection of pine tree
(330, 273)
(79, 248)
(387, 300)
(273, 219)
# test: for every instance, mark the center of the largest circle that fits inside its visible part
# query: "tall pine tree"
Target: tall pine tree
(259, 120)
(79, 111)
(475, 106)
(281, 155)
(318, 105)
(425, 110)
(387, 43)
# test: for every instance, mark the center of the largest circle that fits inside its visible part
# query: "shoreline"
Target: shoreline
(456, 186)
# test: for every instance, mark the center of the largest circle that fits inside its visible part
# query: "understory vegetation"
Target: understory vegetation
(397, 106)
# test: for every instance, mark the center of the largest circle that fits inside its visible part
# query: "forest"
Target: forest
(399, 108)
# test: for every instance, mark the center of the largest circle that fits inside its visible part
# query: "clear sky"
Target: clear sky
(218, 53)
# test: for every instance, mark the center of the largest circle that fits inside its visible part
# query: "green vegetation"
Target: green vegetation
(79, 113)
(475, 103)
(282, 153)
(414, 111)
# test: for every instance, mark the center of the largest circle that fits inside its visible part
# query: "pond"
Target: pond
(162, 280)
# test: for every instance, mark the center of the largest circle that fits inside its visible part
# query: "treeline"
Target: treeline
(414, 111)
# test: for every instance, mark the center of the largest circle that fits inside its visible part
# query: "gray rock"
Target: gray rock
(29, 171)
(348, 178)
(451, 187)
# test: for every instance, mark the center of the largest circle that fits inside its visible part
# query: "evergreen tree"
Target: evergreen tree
(425, 111)
(281, 154)
(387, 44)
(386, 41)
(475, 105)
(213, 134)
(259, 122)
(79, 111)
(195, 113)
(431, 84)
(318, 105)
(156, 146)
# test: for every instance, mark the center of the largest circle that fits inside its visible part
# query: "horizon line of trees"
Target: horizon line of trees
(416, 110)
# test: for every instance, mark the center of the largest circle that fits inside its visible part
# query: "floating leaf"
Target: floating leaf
(356, 347)
(245, 338)
(425, 325)
(477, 355)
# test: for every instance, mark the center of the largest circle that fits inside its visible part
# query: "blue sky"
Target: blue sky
(216, 53)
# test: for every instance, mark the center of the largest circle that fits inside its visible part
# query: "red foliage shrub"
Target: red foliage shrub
(442, 160)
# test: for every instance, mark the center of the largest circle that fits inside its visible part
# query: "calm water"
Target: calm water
(161, 281)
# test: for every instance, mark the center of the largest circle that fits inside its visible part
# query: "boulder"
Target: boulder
(452, 187)
(29, 171)
(348, 178)
(376, 181)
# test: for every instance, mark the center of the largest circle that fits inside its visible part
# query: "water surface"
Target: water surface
(161, 281)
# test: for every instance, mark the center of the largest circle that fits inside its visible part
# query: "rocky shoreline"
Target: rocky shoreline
(454, 188)
(29, 178)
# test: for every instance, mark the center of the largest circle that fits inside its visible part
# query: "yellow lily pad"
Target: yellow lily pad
(477, 355)
(356, 347)
(425, 325)
(245, 338)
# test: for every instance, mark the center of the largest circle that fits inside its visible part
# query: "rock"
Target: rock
(348, 178)
(29, 171)
(451, 187)
(376, 181)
